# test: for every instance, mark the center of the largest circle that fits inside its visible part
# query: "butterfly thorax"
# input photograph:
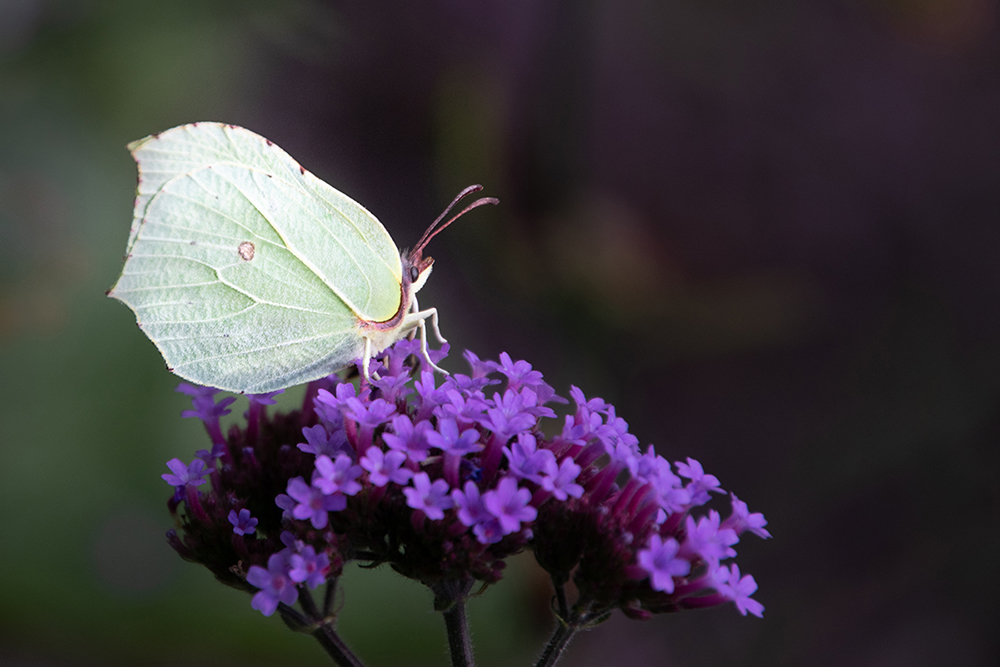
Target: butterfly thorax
(416, 270)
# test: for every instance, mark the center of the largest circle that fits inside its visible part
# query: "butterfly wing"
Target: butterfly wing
(246, 271)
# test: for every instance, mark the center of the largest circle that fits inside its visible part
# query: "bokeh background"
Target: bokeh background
(767, 230)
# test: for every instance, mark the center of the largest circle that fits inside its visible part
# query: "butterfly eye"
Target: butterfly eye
(414, 274)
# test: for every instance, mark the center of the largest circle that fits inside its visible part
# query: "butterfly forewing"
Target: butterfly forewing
(245, 270)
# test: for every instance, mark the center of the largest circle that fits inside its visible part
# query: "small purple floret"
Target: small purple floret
(519, 374)
(264, 399)
(472, 513)
(742, 520)
(275, 584)
(448, 439)
(562, 484)
(193, 474)
(701, 483)
(308, 568)
(409, 439)
(730, 585)
(509, 504)
(528, 462)
(432, 499)
(385, 467)
(707, 539)
(320, 442)
(312, 503)
(243, 523)
(337, 479)
(661, 562)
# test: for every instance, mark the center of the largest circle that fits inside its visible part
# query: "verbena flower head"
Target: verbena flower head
(443, 482)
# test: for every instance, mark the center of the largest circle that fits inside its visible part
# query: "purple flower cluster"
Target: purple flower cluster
(444, 480)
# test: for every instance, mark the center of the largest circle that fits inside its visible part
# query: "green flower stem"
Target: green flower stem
(568, 626)
(328, 597)
(459, 640)
(321, 627)
(335, 646)
(557, 644)
(449, 598)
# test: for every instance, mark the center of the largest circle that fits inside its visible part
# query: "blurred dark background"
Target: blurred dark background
(766, 230)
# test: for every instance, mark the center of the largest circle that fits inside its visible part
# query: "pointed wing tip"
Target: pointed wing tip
(136, 145)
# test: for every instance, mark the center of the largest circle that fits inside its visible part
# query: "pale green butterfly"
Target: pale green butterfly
(250, 274)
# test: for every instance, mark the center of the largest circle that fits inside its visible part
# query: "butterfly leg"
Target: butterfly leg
(366, 358)
(434, 319)
(418, 320)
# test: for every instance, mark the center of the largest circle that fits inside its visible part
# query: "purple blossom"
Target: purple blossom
(626, 494)
(287, 504)
(533, 404)
(430, 395)
(393, 387)
(183, 475)
(741, 520)
(700, 483)
(615, 431)
(243, 523)
(464, 410)
(438, 354)
(575, 430)
(593, 405)
(448, 439)
(337, 479)
(480, 368)
(519, 374)
(706, 539)
(321, 442)
(264, 399)
(209, 456)
(205, 407)
(432, 499)
(671, 496)
(470, 505)
(409, 439)
(626, 456)
(369, 415)
(527, 462)
(307, 567)
(275, 584)
(472, 513)
(312, 503)
(651, 467)
(397, 355)
(509, 504)
(661, 562)
(294, 544)
(384, 468)
(562, 484)
(466, 384)
(327, 406)
(732, 587)
(343, 392)
(196, 390)
(508, 416)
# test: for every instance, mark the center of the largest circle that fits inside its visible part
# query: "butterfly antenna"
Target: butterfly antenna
(434, 230)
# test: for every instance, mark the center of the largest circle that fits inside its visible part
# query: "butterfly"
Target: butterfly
(250, 274)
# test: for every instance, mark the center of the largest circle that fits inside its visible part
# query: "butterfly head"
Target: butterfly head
(416, 269)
